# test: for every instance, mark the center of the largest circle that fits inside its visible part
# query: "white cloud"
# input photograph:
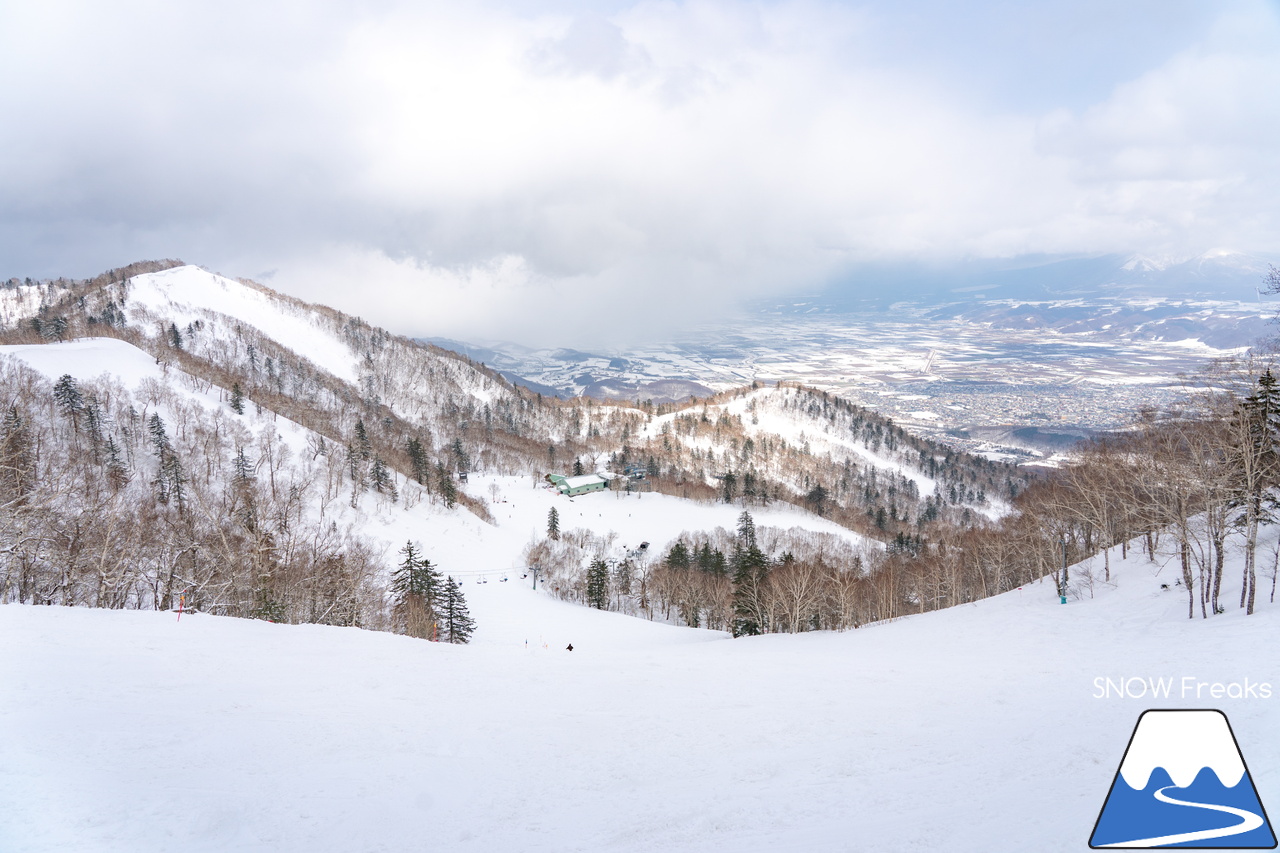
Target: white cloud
(479, 170)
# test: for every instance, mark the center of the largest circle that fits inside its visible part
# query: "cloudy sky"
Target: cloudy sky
(516, 169)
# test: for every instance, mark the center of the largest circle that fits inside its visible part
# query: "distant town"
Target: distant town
(1015, 380)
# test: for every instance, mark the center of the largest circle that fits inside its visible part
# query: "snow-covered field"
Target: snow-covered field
(973, 729)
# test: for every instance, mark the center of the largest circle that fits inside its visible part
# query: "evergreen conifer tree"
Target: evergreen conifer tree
(461, 461)
(381, 478)
(93, 426)
(678, 558)
(448, 493)
(553, 524)
(456, 624)
(159, 438)
(418, 460)
(242, 490)
(175, 478)
(817, 499)
(237, 399)
(746, 530)
(751, 570)
(67, 395)
(418, 592)
(117, 473)
(363, 445)
(17, 465)
(598, 584)
(729, 487)
(160, 488)
(354, 468)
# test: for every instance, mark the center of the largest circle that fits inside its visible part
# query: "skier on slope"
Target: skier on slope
(569, 647)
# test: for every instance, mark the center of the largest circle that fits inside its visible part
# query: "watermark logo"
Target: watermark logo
(1187, 687)
(1183, 783)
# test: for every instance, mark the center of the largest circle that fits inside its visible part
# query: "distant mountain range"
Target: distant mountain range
(1217, 274)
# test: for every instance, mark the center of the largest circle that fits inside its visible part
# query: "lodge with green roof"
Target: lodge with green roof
(574, 486)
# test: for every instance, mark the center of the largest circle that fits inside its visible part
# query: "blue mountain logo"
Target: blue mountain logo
(1183, 783)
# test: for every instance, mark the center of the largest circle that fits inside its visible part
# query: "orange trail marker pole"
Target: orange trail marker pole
(182, 600)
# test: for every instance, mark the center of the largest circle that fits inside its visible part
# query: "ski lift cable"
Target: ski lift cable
(486, 573)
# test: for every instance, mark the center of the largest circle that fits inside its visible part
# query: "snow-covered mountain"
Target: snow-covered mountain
(328, 370)
(1224, 270)
(342, 346)
(242, 438)
(1216, 274)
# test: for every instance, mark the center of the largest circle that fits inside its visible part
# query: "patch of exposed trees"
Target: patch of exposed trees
(111, 499)
(1195, 479)
(747, 581)
(717, 441)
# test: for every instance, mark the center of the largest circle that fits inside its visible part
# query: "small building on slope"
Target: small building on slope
(574, 486)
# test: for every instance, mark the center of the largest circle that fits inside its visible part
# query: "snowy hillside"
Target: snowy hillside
(269, 458)
(186, 294)
(330, 372)
(457, 540)
(804, 438)
(19, 301)
(777, 411)
(972, 729)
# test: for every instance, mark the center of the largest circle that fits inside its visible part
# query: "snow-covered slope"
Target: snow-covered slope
(90, 358)
(455, 539)
(184, 294)
(368, 358)
(336, 375)
(848, 449)
(973, 729)
(20, 301)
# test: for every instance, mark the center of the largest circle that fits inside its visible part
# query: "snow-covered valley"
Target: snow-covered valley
(972, 729)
